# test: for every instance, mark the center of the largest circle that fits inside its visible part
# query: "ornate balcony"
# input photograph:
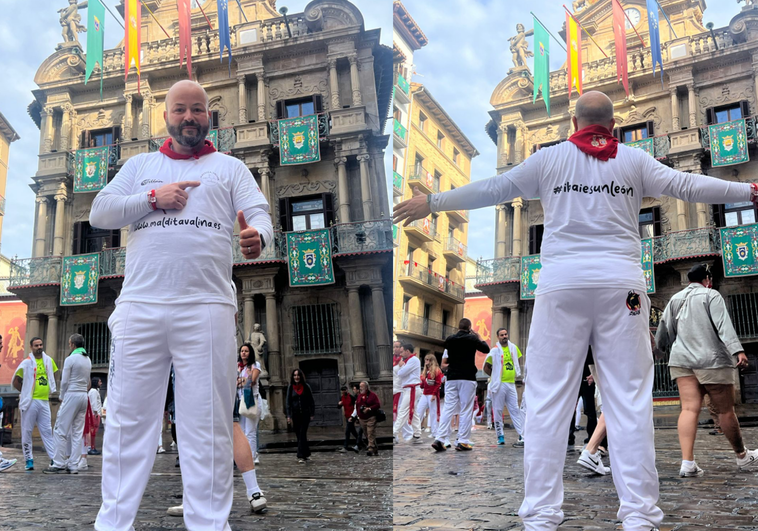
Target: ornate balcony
(252, 134)
(421, 327)
(422, 229)
(274, 251)
(414, 274)
(402, 89)
(454, 250)
(750, 130)
(28, 272)
(424, 180)
(683, 244)
(112, 262)
(362, 237)
(498, 270)
(459, 215)
(397, 183)
(2, 206)
(400, 133)
(323, 128)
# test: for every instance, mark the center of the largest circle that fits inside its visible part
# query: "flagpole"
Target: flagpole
(667, 19)
(242, 11)
(582, 27)
(114, 16)
(155, 19)
(630, 21)
(206, 16)
(548, 31)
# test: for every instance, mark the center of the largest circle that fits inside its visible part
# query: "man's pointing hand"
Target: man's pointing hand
(412, 209)
(173, 196)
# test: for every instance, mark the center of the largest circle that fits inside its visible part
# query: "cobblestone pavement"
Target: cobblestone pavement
(333, 491)
(483, 489)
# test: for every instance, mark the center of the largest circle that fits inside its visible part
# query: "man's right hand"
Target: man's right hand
(742, 361)
(173, 196)
(412, 209)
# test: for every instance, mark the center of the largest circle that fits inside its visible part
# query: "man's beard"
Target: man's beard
(189, 141)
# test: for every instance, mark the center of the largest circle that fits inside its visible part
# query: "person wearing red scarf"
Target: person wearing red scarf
(366, 407)
(591, 289)
(407, 411)
(182, 205)
(300, 408)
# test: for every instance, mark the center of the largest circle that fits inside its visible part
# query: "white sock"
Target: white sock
(688, 464)
(251, 482)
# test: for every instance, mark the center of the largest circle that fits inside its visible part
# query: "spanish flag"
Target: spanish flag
(574, 63)
(133, 36)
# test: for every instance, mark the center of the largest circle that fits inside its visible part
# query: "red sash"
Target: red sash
(412, 387)
(395, 402)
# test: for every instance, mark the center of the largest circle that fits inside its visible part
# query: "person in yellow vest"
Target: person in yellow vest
(35, 379)
(503, 360)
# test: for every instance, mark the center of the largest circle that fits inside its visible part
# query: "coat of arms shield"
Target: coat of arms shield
(91, 169)
(742, 251)
(79, 278)
(728, 142)
(309, 258)
(298, 139)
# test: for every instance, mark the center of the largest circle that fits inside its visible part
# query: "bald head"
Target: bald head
(186, 88)
(186, 115)
(594, 108)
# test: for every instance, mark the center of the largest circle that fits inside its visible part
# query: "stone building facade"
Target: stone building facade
(322, 61)
(709, 77)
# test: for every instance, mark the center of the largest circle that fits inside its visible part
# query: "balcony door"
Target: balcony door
(88, 239)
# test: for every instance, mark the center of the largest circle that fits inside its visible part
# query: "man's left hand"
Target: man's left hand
(742, 362)
(250, 240)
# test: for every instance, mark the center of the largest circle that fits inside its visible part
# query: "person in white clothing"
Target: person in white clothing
(181, 204)
(397, 388)
(35, 379)
(250, 368)
(409, 376)
(95, 403)
(591, 189)
(502, 364)
(69, 424)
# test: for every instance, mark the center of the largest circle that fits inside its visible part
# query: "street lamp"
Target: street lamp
(284, 11)
(709, 26)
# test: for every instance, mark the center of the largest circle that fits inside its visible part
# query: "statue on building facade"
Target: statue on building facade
(70, 21)
(748, 2)
(258, 341)
(578, 5)
(520, 49)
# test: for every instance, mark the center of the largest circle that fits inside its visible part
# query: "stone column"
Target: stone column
(145, 128)
(675, 109)
(51, 341)
(344, 207)
(502, 143)
(45, 140)
(500, 228)
(702, 214)
(247, 315)
(681, 214)
(354, 80)
(513, 326)
(265, 172)
(124, 237)
(692, 105)
(334, 86)
(32, 328)
(356, 333)
(59, 227)
(498, 318)
(382, 333)
(261, 97)
(39, 241)
(365, 186)
(242, 95)
(126, 134)
(66, 127)
(272, 336)
(518, 204)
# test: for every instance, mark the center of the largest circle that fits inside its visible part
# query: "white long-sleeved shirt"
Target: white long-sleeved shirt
(410, 373)
(95, 402)
(181, 256)
(76, 374)
(591, 207)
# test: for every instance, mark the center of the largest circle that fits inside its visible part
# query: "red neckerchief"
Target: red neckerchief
(596, 141)
(170, 153)
(298, 388)
(396, 360)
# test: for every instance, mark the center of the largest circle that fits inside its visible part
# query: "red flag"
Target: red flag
(185, 34)
(619, 34)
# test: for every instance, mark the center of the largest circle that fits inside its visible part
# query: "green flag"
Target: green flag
(95, 21)
(541, 64)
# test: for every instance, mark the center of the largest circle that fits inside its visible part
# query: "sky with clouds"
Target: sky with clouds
(29, 33)
(467, 56)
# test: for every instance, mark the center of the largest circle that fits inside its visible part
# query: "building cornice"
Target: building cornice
(405, 25)
(440, 114)
(7, 130)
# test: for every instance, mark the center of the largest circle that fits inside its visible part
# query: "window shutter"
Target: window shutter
(535, 238)
(657, 221)
(710, 117)
(745, 108)
(617, 133)
(214, 119)
(115, 239)
(284, 214)
(318, 105)
(650, 129)
(280, 110)
(328, 200)
(718, 215)
(76, 246)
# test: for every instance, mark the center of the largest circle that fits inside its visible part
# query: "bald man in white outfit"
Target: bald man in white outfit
(177, 305)
(591, 291)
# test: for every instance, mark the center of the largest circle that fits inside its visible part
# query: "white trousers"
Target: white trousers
(69, 430)
(429, 403)
(564, 323)
(404, 410)
(38, 415)
(146, 339)
(507, 396)
(250, 429)
(459, 399)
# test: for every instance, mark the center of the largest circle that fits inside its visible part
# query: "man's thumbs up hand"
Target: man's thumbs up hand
(250, 240)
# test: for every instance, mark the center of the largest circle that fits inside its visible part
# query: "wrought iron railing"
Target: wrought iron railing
(323, 128)
(403, 84)
(2, 206)
(456, 246)
(750, 133)
(273, 250)
(114, 153)
(435, 280)
(704, 241)
(419, 174)
(397, 182)
(362, 236)
(35, 271)
(113, 262)
(743, 309)
(400, 130)
(417, 324)
(495, 270)
(155, 143)
(425, 226)
(97, 341)
(663, 385)
(227, 137)
(661, 146)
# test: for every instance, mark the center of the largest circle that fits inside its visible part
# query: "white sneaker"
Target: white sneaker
(83, 464)
(5, 464)
(593, 462)
(173, 445)
(257, 502)
(177, 510)
(257, 460)
(417, 439)
(691, 472)
(161, 450)
(750, 459)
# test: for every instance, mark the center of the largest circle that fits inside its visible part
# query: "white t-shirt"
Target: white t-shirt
(410, 373)
(591, 236)
(244, 373)
(181, 256)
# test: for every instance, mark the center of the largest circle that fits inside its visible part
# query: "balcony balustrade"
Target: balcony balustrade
(498, 270)
(455, 250)
(27, 272)
(362, 237)
(691, 243)
(423, 179)
(421, 326)
(112, 262)
(434, 281)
